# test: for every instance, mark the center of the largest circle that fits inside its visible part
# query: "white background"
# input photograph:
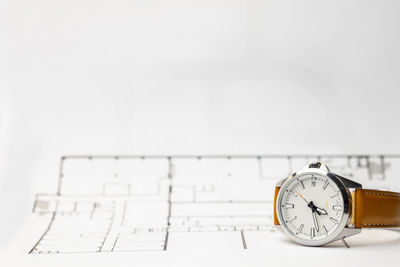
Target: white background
(190, 77)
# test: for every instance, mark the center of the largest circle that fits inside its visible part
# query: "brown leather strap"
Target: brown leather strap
(376, 209)
(276, 221)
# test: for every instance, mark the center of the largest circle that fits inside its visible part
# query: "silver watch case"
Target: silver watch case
(344, 229)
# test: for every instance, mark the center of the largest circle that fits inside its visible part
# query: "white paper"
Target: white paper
(153, 208)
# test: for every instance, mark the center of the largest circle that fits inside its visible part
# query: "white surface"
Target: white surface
(191, 77)
(160, 206)
(128, 204)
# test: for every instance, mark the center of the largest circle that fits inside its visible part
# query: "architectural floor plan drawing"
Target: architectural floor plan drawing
(134, 203)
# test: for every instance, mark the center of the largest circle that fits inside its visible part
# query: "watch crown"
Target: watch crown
(318, 165)
(315, 165)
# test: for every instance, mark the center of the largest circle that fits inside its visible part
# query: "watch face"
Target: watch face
(311, 208)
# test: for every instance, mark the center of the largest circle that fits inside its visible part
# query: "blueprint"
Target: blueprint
(111, 204)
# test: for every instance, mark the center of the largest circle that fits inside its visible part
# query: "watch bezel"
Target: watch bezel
(346, 206)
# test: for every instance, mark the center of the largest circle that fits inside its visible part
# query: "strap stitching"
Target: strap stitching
(380, 224)
(382, 194)
(386, 195)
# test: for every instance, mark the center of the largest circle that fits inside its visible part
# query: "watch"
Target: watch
(315, 206)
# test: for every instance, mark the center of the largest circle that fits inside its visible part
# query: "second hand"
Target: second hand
(300, 195)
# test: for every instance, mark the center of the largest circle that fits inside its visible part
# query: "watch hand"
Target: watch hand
(315, 220)
(314, 208)
(321, 211)
(301, 196)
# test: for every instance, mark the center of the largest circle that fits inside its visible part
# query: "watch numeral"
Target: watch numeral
(289, 206)
(337, 207)
(312, 232)
(335, 195)
(333, 220)
(325, 230)
(302, 184)
(325, 185)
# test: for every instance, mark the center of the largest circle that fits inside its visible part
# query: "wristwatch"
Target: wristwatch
(315, 206)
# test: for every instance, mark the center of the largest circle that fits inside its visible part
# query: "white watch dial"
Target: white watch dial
(311, 207)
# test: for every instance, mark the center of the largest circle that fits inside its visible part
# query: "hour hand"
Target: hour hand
(321, 211)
